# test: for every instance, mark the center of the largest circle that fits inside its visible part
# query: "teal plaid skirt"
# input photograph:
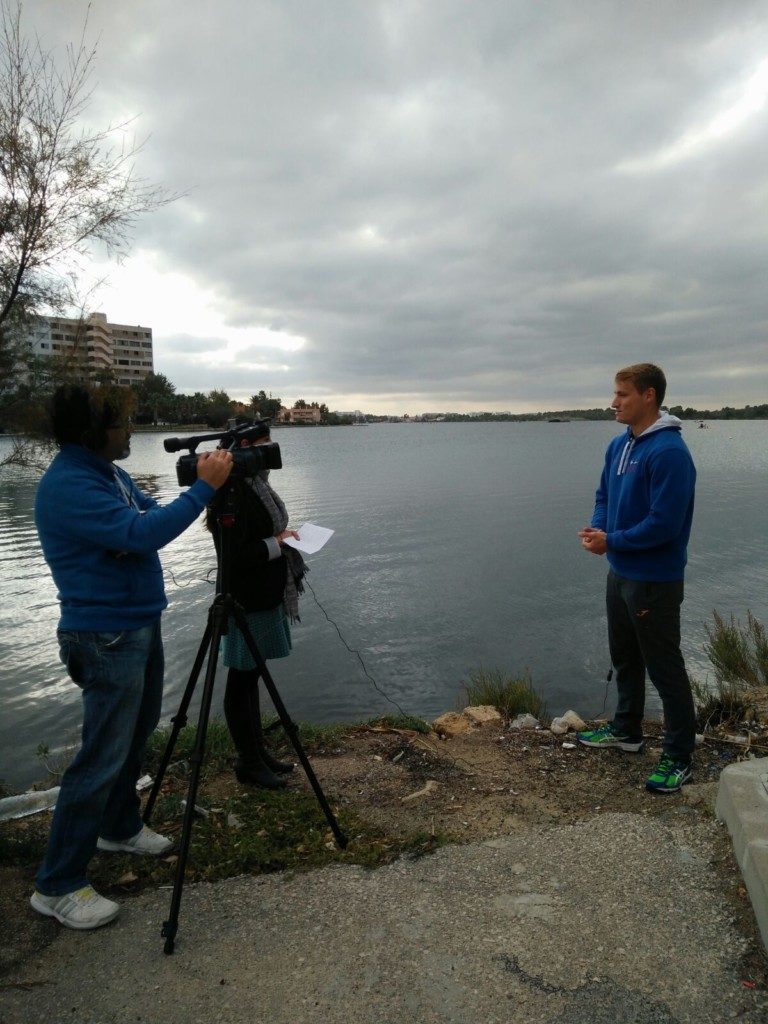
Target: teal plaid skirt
(271, 631)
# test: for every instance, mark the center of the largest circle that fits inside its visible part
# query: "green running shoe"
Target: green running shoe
(669, 775)
(606, 736)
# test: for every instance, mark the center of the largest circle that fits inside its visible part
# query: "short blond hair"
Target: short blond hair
(643, 376)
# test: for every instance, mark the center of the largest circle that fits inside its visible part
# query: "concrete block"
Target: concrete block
(742, 803)
(754, 871)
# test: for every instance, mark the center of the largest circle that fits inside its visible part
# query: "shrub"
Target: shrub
(739, 656)
(721, 704)
(403, 721)
(738, 653)
(510, 695)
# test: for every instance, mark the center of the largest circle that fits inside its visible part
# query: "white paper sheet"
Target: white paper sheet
(311, 538)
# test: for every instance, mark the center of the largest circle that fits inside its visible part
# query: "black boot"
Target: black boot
(255, 765)
(252, 771)
(280, 767)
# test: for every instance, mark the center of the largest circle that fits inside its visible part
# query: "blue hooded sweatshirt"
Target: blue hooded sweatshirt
(645, 502)
(100, 536)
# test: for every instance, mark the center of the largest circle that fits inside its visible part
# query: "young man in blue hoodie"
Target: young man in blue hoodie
(100, 536)
(642, 522)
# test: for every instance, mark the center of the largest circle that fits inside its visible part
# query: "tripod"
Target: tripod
(222, 611)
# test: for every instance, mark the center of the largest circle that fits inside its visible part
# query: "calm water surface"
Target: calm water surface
(455, 548)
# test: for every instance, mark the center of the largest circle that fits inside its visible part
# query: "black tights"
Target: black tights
(242, 711)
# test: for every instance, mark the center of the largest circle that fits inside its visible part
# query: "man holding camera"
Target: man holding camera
(642, 522)
(100, 535)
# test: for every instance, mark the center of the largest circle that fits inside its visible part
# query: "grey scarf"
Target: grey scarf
(297, 569)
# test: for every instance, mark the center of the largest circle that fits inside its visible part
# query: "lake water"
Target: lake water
(455, 549)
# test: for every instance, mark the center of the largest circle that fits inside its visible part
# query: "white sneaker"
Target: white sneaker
(144, 842)
(81, 909)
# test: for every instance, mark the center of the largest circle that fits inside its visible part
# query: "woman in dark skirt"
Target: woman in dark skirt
(265, 579)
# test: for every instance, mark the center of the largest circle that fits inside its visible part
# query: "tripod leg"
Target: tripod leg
(179, 721)
(290, 728)
(170, 927)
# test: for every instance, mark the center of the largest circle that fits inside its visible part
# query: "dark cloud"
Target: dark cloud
(456, 200)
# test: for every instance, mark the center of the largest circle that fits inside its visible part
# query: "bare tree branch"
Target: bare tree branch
(61, 186)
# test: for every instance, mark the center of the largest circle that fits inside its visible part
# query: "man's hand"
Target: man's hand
(593, 540)
(214, 467)
(280, 537)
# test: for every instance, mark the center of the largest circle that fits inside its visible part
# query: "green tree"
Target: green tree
(219, 408)
(333, 419)
(257, 401)
(265, 406)
(192, 408)
(154, 398)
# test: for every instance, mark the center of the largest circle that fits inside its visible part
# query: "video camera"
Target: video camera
(246, 461)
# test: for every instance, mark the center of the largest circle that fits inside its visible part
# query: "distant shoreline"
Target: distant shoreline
(747, 412)
(581, 416)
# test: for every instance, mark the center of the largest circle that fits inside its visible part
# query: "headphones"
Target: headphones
(94, 436)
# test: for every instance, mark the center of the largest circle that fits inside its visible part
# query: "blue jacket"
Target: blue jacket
(100, 535)
(645, 502)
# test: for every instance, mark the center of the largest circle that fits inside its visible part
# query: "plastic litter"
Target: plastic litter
(28, 803)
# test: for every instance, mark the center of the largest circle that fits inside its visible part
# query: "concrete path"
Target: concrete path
(620, 919)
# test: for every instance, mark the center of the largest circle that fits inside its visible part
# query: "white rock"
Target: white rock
(558, 726)
(525, 722)
(576, 722)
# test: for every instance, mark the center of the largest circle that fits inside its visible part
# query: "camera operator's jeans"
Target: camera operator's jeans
(121, 676)
(644, 633)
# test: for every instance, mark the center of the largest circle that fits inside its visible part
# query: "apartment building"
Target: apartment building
(125, 349)
(298, 415)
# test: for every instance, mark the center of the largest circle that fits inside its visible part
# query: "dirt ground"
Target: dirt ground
(485, 783)
(489, 782)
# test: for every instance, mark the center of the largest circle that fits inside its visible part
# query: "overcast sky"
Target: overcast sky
(429, 205)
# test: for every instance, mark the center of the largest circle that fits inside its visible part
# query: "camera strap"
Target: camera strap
(124, 490)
